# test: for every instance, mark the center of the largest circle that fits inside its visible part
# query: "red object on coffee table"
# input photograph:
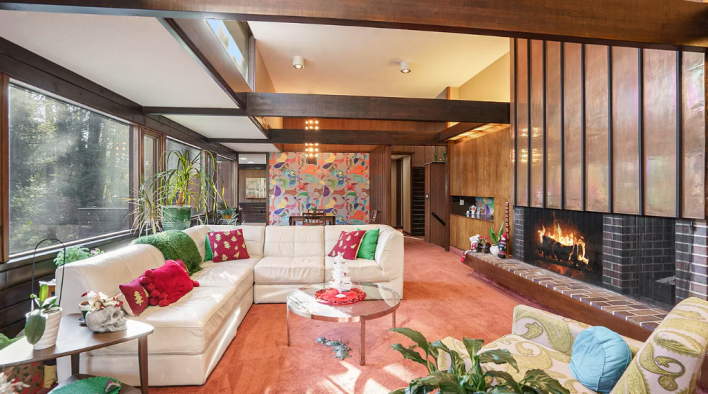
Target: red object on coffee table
(329, 296)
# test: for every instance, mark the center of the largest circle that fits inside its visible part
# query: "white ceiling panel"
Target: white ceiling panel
(220, 126)
(133, 56)
(365, 61)
(252, 158)
(251, 147)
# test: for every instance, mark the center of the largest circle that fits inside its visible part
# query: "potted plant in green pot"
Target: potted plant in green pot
(42, 324)
(224, 211)
(186, 185)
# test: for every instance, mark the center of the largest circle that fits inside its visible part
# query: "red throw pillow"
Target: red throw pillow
(228, 245)
(167, 284)
(135, 296)
(348, 244)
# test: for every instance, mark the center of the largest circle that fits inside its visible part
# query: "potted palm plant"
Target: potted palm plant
(42, 324)
(186, 185)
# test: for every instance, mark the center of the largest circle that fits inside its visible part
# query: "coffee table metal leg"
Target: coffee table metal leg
(143, 363)
(288, 322)
(393, 319)
(362, 343)
(75, 363)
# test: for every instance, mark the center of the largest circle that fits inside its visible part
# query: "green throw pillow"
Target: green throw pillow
(367, 249)
(175, 245)
(208, 255)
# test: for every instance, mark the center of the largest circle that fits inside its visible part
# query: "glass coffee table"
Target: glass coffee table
(380, 301)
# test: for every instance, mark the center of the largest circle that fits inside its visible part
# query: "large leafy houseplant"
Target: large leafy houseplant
(459, 380)
(166, 199)
(46, 307)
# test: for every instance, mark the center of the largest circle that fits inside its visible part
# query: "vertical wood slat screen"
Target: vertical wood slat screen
(608, 129)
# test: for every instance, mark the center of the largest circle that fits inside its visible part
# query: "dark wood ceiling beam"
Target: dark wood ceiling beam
(456, 130)
(670, 24)
(339, 137)
(354, 107)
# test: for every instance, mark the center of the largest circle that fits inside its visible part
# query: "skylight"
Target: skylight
(229, 43)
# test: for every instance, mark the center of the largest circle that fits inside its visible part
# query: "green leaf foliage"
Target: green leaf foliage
(34, 328)
(459, 380)
(542, 383)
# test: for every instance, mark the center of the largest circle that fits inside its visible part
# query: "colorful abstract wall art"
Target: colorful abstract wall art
(338, 183)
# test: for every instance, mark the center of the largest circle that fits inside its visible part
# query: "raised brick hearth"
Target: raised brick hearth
(624, 307)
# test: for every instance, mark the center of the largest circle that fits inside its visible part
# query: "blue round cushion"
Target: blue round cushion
(599, 358)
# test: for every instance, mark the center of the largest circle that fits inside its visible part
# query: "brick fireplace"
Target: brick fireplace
(655, 260)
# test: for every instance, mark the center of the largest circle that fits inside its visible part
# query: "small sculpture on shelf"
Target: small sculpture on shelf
(487, 247)
(502, 246)
(472, 211)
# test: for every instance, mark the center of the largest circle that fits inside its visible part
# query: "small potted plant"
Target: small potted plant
(496, 237)
(224, 211)
(42, 324)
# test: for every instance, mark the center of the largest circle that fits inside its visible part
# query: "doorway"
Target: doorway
(401, 192)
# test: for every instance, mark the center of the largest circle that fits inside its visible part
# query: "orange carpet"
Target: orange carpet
(441, 299)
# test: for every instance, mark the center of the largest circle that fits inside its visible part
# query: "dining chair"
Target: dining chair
(315, 218)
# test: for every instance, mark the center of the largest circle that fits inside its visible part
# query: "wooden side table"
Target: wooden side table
(74, 339)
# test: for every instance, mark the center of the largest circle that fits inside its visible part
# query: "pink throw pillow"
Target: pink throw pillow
(348, 244)
(228, 245)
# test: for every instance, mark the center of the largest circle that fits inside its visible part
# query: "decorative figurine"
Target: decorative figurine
(472, 211)
(341, 281)
(473, 242)
(487, 247)
(502, 247)
(105, 314)
(480, 244)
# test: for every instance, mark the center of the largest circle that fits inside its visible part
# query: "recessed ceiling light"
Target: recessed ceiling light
(298, 62)
(405, 67)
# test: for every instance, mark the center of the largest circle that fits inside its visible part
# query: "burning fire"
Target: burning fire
(578, 243)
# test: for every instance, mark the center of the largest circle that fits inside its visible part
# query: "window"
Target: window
(225, 181)
(69, 171)
(234, 38)
(151, 156)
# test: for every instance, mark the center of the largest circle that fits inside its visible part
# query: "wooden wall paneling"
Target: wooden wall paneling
(513, 124)
(693, 138)
(522, 121)
(380, 183)
(4, 168)
(553, 125)
(493, 179)
(597, 185)
(626, 163)
(659, 134)
(572, 127)
(537, 124)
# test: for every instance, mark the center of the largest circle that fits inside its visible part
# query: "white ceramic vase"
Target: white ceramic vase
(51, 330)
(494, 250)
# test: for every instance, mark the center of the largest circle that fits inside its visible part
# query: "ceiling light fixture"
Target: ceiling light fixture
(312, 124)
(405, 67)
(298, 62)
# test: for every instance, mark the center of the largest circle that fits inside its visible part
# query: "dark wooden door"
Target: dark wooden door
(436, 229)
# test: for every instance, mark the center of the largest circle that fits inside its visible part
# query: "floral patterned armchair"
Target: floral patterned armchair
(668, 362)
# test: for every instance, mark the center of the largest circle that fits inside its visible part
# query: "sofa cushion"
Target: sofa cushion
(294, 241)
(289, 270)
(228, 245)
(348, 244)
(198, 235)
(528, 355)
(367, 249)
(229, 273)
(360, 270)
(254, 235)
(175, 245)
(599, 358)
(189, 325)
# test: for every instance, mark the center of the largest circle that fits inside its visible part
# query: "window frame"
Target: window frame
(133, 132)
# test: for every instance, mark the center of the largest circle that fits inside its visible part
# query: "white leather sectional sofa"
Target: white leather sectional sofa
(192, 334)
